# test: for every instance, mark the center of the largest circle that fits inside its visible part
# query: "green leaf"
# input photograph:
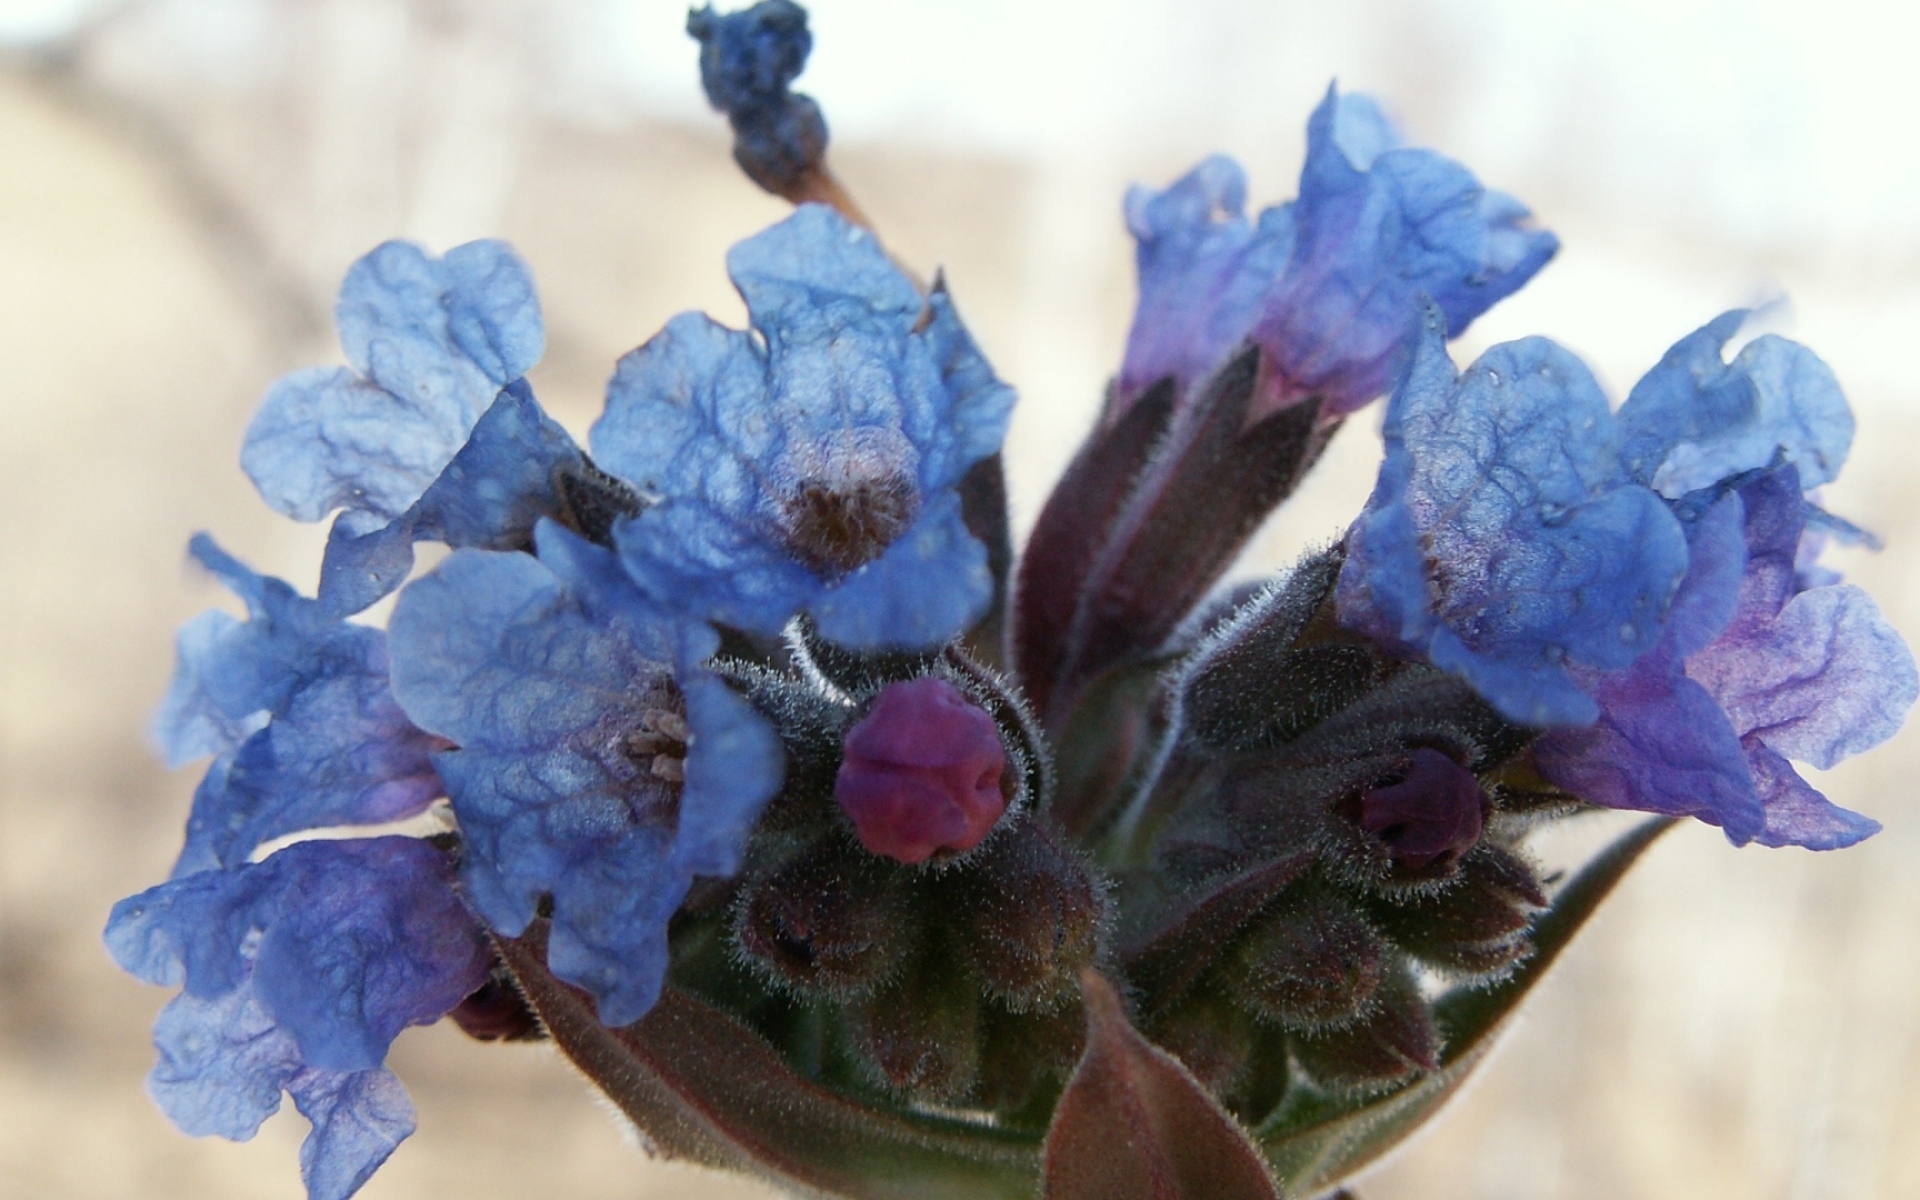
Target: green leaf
(1315, 1141)
(1134, 1124)
(704, 1088)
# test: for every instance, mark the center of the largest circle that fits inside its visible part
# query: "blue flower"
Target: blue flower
(298, 972)
(1329, 285)
(812, 464)
(431, 434)
(295, 704)
(1506, 540)
(747, 62)
(599, 768)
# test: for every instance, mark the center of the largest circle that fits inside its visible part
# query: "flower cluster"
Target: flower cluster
(759, 776)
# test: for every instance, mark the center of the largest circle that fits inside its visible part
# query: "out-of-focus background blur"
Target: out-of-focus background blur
(182, 183)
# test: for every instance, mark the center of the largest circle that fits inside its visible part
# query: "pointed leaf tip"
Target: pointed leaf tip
(1134, 1124)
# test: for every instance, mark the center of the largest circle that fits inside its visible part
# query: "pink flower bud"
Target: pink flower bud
(920, 775)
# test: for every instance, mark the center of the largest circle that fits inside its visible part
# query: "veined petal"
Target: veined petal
(792, 464)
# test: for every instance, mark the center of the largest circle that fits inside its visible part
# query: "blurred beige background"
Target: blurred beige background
(182, 183)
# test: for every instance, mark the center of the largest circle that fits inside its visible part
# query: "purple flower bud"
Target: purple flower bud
(1431, 814)
(921, 772)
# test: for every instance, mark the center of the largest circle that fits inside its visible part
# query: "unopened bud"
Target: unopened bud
(1029, 914)
(921, 773)
(1314, 963)
(830, 921)
(921, 1032)
(1477, 927)
(1394, 1041)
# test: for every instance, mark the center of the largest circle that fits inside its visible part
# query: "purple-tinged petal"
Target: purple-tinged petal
(1797, 814)
(1204, 271)
(368, 937)
(1379, 226)
(1662, 745)
(1696, 419)
(344, 943)
(324, 742)
(359, 1118)
(1826, 679)
(1503, 538)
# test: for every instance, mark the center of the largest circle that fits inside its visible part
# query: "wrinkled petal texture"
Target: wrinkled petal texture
(851, 380)
(1751, 671)
(1503, 539)
(223, 1064)
(489, 497)
(321, 740)
(1696, 419)
(561, 699)
(1379, 226)
(431, 342)
(344, 943)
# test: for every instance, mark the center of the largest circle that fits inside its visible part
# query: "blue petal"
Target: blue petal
(818, 269)
(552, 685)
(1695, 420)
(929, 585)
(1716, 565)
(1797, 814)
(489, 497)
(191, 722)
(856, 387)
(433, 342)
(344, 943)
(189, 931)
(1379, 226)
(223, 1064)
(358, 1118)
(1204, 271)
(1503, 536)
(734, 765)
(456, 329)
(325, 439)
(981, 406)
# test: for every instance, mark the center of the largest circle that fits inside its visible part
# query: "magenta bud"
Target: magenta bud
(920, 774)
(1432, 814)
